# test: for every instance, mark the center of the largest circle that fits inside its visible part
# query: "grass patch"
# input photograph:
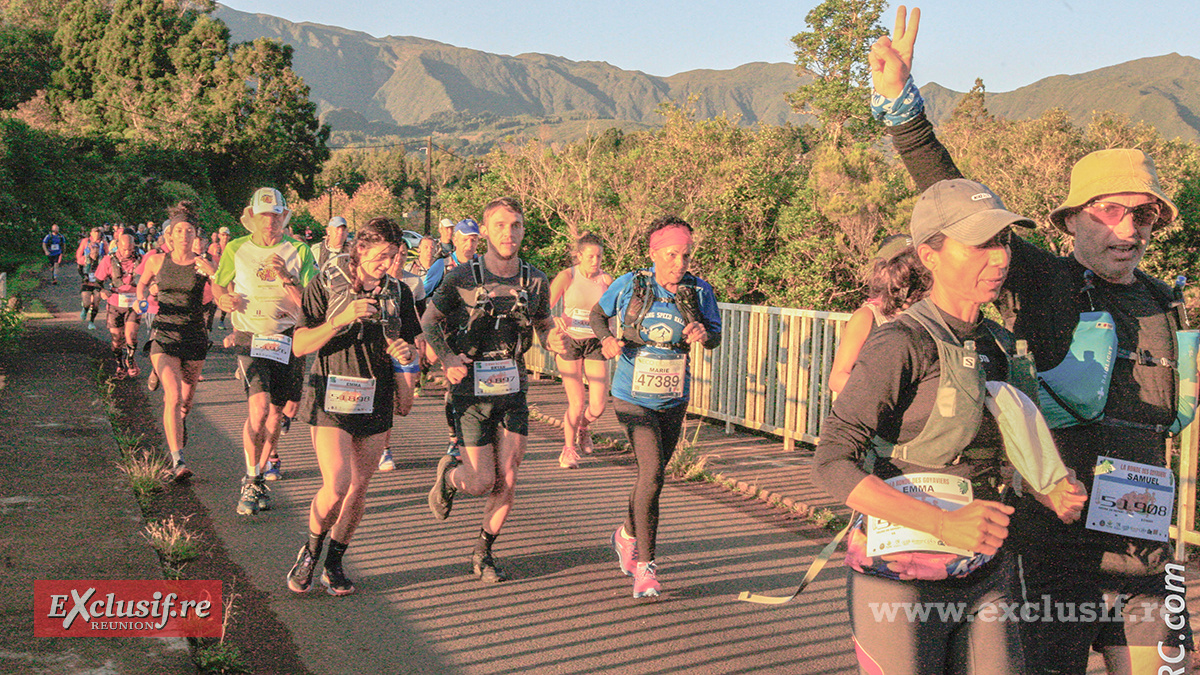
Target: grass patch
(145, 473)
(36, 310)
(827, 519)
(172, 541)
(220, 656)
(689, 464)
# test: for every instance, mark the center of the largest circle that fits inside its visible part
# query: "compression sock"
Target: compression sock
(118, 355)
(483, 545)
(316, 542)
(333, 559)
(94, 312)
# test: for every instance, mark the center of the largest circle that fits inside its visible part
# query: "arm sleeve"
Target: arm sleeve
(712, 314)
(926, 159)
(606, 307)
(313, 305)
(870, 399)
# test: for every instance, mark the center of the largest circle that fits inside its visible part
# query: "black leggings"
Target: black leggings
(654, 434)
(951, 626)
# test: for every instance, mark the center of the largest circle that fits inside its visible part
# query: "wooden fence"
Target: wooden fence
(770, 374)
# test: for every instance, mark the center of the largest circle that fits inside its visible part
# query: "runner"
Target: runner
(180, 340)
(411, 371)
(912, 420)
(663, 310)
(355, 318)
(259, 282)
(119, 269)
(425, 257)
(88, 257)
(466, 241)
(1073, 309)
(579, 287)
(334, 242)
(53, 245)
(480, 324)
(895, 280)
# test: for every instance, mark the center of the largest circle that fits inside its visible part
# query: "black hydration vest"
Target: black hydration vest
(512, 330)
(686, 300)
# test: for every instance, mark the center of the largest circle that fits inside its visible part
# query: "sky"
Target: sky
(1009, 43)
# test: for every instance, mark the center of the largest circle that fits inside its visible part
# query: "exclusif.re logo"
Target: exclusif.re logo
(127, 608)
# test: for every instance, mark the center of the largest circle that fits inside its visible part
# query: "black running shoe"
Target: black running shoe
(441, 497)
(483, 565)
(335, 582)
(299, 578)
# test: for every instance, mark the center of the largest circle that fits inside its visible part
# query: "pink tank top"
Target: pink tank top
(581, 295)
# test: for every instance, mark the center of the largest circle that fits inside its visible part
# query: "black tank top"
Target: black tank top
(180, 296)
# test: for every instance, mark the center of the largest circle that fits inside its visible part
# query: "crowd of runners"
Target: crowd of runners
(988, 465)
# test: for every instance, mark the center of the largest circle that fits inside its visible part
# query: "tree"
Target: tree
(835, 51)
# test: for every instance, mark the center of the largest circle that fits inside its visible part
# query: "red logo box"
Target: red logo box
(126, 608)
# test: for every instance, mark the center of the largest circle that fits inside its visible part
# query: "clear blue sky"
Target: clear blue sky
(1009, 44)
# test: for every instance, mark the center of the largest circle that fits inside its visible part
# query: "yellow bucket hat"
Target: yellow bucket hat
(1107, 172)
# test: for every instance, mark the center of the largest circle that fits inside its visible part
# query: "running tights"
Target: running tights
(654, 434)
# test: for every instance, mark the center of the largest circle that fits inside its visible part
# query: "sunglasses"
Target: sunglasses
(1112, 213)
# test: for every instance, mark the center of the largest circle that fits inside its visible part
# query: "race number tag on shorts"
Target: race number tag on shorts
(126, 299)
(659, 375)
(496, 378)
(579, 322)
(273, 347)
(1131, 499)
(946, 492)
(349, 395)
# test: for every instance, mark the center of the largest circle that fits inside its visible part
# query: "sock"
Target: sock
(92, 315)
(175, 457)
(315, 543)
(333, 559)
(130, 353)
(483, 545)
(119, 356)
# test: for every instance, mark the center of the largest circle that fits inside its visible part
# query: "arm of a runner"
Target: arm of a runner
(709, 333)
(853, 336)
(433, 276)
(558, 287)
(153, 263)
(614, 299)
(319, 329)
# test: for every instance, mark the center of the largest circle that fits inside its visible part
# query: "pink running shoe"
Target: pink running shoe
(645, 584)
(626, 548)
(568, 458)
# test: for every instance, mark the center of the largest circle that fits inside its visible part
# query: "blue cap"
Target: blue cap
(468, 227)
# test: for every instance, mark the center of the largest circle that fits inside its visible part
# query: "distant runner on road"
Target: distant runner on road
(53, 245)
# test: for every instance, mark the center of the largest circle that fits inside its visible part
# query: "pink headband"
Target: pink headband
(670, 236)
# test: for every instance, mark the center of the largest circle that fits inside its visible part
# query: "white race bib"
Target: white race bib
(496, 378)
(1131, 499)
(349, 395)
(126, 299)
(579, 323)
(273, 347)
(660, 376)
(948, 493)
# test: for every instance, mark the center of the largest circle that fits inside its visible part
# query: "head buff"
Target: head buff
(670, 236)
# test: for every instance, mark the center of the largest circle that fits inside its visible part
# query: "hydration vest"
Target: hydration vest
(958, 409)
(118, 270)
(485, 322)
(1075, 392)
(686, 300)
(339, 284)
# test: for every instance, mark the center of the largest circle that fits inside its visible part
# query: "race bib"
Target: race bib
(496, 378)
(126, 299)
(948, 493)
(274, 347)
(579, 323)
(349, 395)
(660, 376)
(1131, 499)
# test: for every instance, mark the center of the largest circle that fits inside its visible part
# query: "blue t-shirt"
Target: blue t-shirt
(54, 243)
(656, 368)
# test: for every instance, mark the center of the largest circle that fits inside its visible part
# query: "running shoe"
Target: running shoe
(180, 472)
(483, 566)
(91, 325)
(299, 578)
(626, 548)
(263, 493)
(273, 471)
(248, 501)
(133, 369)
(568, 458)
(645, 582)
(453, 450)
(335, 582)
(385, 461)
(585, 440)
(441, 497)
(152, 381)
